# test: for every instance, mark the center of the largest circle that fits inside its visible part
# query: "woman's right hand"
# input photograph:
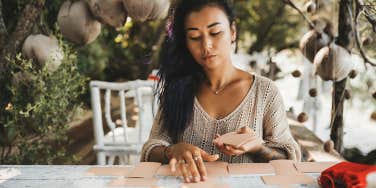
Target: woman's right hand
(189, 159)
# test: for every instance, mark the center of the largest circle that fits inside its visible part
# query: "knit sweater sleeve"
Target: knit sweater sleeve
(276, 130)
(157, 137)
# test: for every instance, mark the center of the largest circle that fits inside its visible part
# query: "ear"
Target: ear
(233, 31)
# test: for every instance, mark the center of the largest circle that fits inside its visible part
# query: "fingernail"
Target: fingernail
(173, 169)
(204, 178)
(187, 180)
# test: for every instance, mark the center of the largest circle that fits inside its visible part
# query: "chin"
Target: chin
(210, 64)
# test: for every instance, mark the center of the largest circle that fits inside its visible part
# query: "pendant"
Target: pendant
(216, 92)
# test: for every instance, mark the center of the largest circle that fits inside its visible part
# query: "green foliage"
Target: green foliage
(42, 103)
(267, 24)
(129, 58)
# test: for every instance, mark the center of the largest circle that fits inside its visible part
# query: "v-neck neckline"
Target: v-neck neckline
(210, 118)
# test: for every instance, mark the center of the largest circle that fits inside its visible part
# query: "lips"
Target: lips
(208, 57)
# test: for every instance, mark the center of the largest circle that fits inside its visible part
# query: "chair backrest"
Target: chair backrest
(142, 93)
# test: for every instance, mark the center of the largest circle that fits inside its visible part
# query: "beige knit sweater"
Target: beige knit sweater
(262, 110)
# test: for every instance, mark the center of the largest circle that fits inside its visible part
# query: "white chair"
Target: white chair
(121, 141)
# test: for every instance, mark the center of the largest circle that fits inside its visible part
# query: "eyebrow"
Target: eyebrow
(209, 26)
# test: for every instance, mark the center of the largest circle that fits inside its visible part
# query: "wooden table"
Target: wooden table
(46, 176)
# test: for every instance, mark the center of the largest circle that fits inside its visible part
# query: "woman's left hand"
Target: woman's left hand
(245, 148)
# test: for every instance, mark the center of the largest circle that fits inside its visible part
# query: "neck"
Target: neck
(220, 77)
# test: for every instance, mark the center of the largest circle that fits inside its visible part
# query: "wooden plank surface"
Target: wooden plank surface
(312, 147)
(76, 176)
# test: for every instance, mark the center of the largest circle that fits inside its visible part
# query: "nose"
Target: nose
(207, 45)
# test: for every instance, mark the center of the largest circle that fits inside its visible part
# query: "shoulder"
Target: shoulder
(265, 85)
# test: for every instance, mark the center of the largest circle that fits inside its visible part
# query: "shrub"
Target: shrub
(33, 124)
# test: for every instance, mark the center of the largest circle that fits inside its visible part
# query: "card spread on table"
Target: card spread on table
(216, 169)
(213, 169)
(250, 168)
(144, 170)
(235, 139)
(109, 171)
(165, 170)
(134, 182)
(284, 167)
(313, 167)
(288, 179)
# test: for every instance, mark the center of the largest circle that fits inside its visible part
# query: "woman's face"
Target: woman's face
(209, 36)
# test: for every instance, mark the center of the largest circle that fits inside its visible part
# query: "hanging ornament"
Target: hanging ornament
(302, 117)
(310, 6)
(329, 146)
(312, 42)
(296, 73)
(312, 92)
(77, 23)
(347, 94)
(367, 41)
(45, 50)
(110, 12)
(373, 116)
(333, 63)
(353, 73)
(142, 10)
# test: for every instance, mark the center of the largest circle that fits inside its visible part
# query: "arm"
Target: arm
(266, 154)
(158, 154)
(279, 143)
(153, 149)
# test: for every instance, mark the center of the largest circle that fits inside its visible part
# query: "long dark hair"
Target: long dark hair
(179, 73)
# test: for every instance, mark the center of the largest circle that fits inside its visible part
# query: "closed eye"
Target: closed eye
(216, 33)
(194, 38)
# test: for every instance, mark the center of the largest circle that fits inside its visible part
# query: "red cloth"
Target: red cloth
(346, 174)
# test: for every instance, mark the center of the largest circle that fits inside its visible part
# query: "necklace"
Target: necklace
(218, 90)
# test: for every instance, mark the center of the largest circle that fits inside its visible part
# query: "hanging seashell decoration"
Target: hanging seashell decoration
(312, 92)
(142, 10)
(329, 146)
(110, 12)
(373, 116)
(312, 42)
(77, 23)
(296, 73)
(302, 117)
(347, 94)
(333, 63)
(353, 74)
(310, 6)
(45, 50)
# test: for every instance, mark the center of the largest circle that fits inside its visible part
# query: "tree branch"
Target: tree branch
(371, 19)
(359, 10)
(3, 29)
(291, 4)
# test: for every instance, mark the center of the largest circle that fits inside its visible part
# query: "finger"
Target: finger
(218, 144)
(172, 163)
(226, 152)
(244, 129)
(208, 157)
(200, 165)
(234, 151)
(184, 171)
(215, 138)
(192, 167)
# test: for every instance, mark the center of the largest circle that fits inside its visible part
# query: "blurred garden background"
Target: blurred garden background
(45, 110)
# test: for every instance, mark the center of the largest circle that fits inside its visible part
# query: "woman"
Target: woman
(203, 95)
